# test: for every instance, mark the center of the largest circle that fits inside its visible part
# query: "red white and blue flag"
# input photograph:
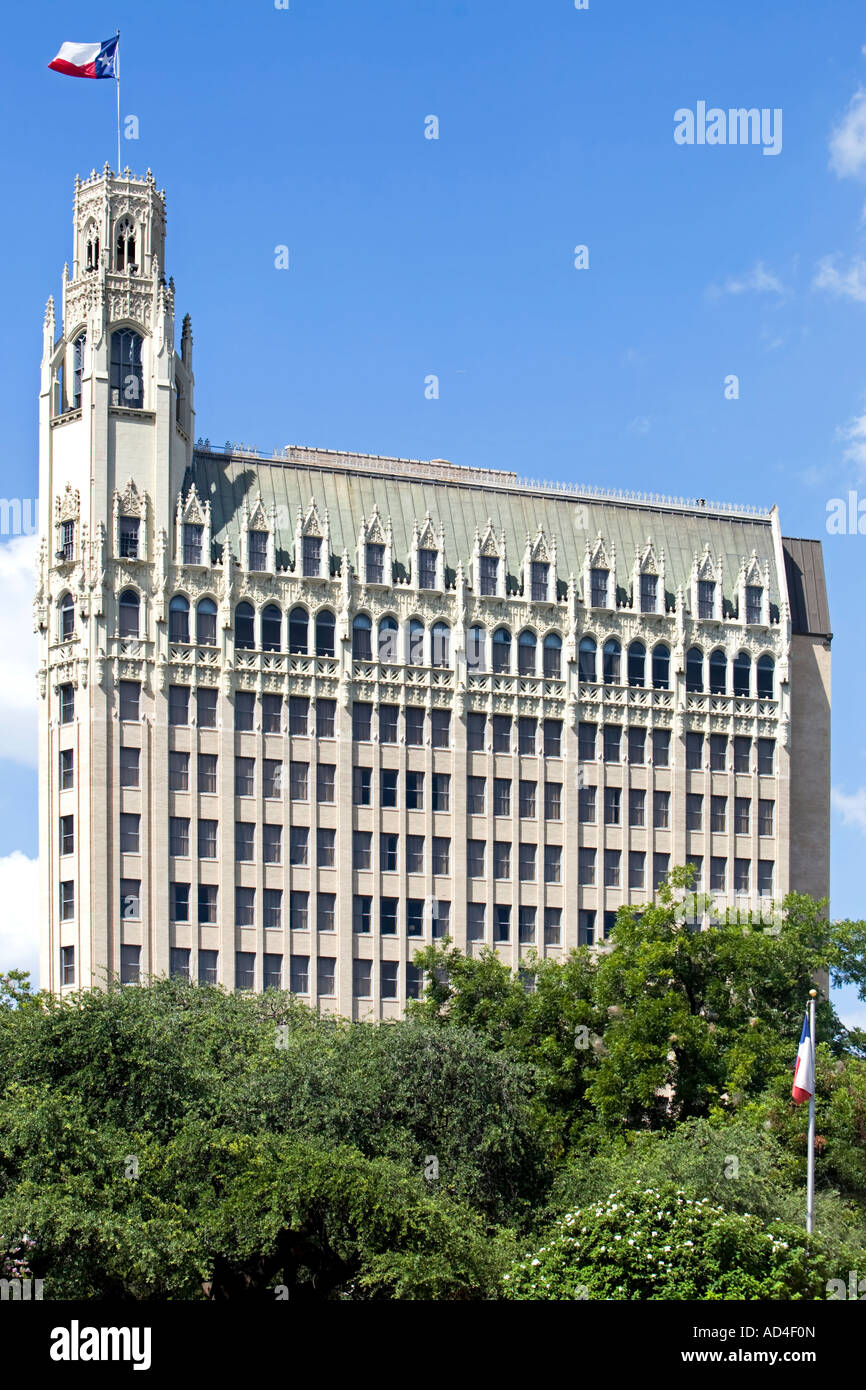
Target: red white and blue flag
(804, 1070)
(87, 59)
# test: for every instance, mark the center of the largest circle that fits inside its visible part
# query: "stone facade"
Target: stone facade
(300, 715)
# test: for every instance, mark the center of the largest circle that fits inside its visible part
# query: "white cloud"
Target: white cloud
(852, 808)
(18, 644)
(847, 283)
(19, 920)
(758, 280)
(854, 435)
(848, 140)
(641, 424)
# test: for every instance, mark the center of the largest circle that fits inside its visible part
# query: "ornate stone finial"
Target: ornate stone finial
(48, 321)
(126, 172)
(106, 169)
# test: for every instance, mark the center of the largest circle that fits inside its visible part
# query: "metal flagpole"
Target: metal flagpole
(117, 84)
(810, 1169)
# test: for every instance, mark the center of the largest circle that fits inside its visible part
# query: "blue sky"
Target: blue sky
(409, 257)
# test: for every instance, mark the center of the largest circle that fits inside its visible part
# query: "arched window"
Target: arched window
(501, 650)
(766, 669)
(695, 670)
(612, 661)
(415, 647)
(272, 629)
(245, 627)
(553, 656)
(718, 672)
(127, 379)
(325, 625)
(742, 673)
(362, 638)
(389, 639)
(299, 624)
(661, 667)
(475, 642)
(129, 609)
(637, 664)
(67, 617)
(440, 644)
(178, 619)
(586, 659)
(206, 622)
(91, 261)
(77, 372)
(527, 645)
(124, 251)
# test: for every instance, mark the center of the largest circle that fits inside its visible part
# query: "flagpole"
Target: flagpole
(117, 84)
(810, 1169)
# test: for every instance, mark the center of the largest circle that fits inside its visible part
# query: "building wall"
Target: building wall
(810, 765)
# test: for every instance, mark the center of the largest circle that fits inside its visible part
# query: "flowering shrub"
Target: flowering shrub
(13, 1259)
(651, 1243)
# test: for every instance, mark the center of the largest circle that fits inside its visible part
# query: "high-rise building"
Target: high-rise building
(301, 714)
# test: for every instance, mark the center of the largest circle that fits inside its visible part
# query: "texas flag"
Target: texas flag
(804, 1070)
(87, 59)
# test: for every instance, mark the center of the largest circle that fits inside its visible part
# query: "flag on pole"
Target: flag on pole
(87, 59)
(804, 1069)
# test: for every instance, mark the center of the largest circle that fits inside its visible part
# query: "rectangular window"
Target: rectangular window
(441, 791)
(245, 711)
(272, 715)
(538, 579)
(388, 726)
(649, 586)
(742, 815)
(718, 874)
(586, 867)
(440, 728)
(245, 832)
(501, 859)
(636, 868)
(326, 976)
(272, 844)
(245, 970)
(362, 849)
(611, 868)
(609, 924)
(415, 791)
(326, 912)
(130, 899)
(475, 856)
(180, 902)
(427, 569)
(718, 752)
(719, 814)
(476, 795)
(414, 854)
(742, 753)
(526, 799)
(130, 833)
(258, 550)
(697, 862)
(178, 837)
(612, 805)
(299, 716)
(299, 910)
(299, 845)
(415, 917)
(765, 878)
(694, 811)
(245, 907)
(207, 839)
(272, 778)
(553, 801)
(326, 716)
(207, 904)
(475, 728)
(706, 598)
(130, 965)
(586, 805)
(325, 785)
(527, 733)
(637, 745)
(553, 863)
(766, 817)
(742, 875)
(766, 757)
(661, 747)
(388, 916)
(526, 926)
(502, 922)
(502, 733)
(66, 770)
(67, 834)
(130, 701)
(388, 979)
(178, 771)
(441, 855)
(206, 706)
(67, 965)
(128, 537)
(311, 554)
(553, 738)
(272, 908)
(661, 863)
(178, 704)
(488, 568)
(362, 910)
(475, 921)
(272, 972)
(598, 580)
(67, 704)
(441, 916)
(362, 786)
(526, 862)
(637, 806)
(362, 979)
(67, 900)
(207, 773)
(362, 721)
(208, 962)
(552, 926)
(612, 743)
(388, 789)
(245, 769)
(414, 726)
(662, 810)
(299, 781)
(326, 847)
(375, 563)
(694, 751)
(754, 603)
(586, 927)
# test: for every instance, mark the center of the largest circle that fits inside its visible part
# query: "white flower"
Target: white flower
(536, 1262)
